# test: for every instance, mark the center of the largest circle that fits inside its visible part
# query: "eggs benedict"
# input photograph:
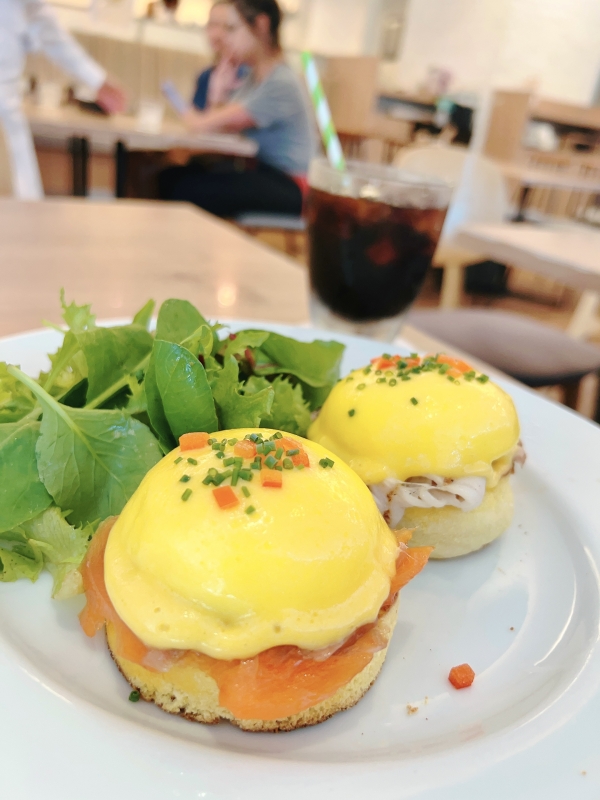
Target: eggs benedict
(434, 440)
(250, 578)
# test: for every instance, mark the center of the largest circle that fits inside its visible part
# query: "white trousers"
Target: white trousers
(26, 180)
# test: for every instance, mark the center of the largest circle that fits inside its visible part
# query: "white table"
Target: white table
(78, 129)
(564, 251)
(535, 178)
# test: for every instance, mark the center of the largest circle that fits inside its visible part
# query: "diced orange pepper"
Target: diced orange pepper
(301, 459)
(271, 478)
(461, 677)
(245, 449)
(454, 373)
(455, 363)
(226, 497)
(193, 441)
(412, 362)
(288, 444)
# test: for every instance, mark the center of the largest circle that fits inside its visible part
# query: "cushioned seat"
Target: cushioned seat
(280, 222)
(529, 351)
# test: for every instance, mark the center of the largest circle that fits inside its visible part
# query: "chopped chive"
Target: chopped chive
(362, 386)
(326, 462)
(450, 378)
(185, 478)
(229, 461)
(406, 377)
(186, 495)
(402, 364)
(414, 355)
(220, 455)
(134, 696)
(268, 446)
(245, 475)
(414, 401)
(255, 465)
(393, 382)
(216, 446)
(235, 476)
(349, 378)
(366, 370)
(252, 436)
(192, 461)
(381, 380)
(279, 453)
(260, 448)
(288, 463)
(270, 461)
(483, 378)
(278, 467)
(386, 356)
(245, 491)
(444, 368)
(293, 452)
(208, 480)
(211, 441)
(300, 466)
(178, 460)
(277, 435)
(378, 372)
(232, 442)
(352, 412)
(223, 442)
(250, 510)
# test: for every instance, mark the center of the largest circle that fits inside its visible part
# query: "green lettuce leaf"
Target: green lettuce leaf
(63, 548)
(16, 401)
(77, 318)
(19, 558)
(68, 368)
(90, 462)
(22, 493)
(290, 412)
(112, 355)
(235, 408)
(178, 394)
(144, 315)
(315, 363)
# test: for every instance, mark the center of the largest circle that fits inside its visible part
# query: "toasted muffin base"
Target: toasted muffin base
(191, 693)
(453, 532)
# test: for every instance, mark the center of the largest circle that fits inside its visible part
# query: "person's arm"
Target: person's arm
(62, 48)
(232, 118)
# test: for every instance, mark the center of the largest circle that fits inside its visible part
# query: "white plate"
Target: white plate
(524, 612)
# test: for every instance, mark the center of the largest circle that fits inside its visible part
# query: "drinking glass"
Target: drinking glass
(372, 233)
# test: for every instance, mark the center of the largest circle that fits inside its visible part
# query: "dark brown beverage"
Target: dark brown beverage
(368, 259)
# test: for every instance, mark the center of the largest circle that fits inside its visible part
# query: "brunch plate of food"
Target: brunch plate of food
(389, 559)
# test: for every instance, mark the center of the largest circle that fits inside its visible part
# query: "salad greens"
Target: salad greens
(76, 441)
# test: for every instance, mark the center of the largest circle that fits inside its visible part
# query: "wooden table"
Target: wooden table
(565, 251)
(117, 255)
(535, 178)
(79, 129)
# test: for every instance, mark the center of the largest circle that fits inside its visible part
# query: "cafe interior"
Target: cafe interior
(497, 99)
(300, 338)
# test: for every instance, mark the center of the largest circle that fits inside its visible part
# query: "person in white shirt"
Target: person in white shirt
(27, 25)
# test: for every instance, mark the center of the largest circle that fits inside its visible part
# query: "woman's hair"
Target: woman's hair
(249, 10)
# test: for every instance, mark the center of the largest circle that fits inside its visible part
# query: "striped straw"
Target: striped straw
(323, 113)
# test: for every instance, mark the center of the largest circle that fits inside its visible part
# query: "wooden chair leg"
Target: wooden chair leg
(571, 393)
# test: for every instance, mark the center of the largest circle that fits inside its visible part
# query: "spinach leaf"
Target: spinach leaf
(22, 494)
(90, 461)
(237, 409)
(144, 315)
(178, 319)
(314, 363)
(179, 396)
(63, 548)
(112, 355)
(16, 401)
(19, 558)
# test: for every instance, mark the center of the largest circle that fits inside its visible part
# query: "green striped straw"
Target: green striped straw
(323, 113)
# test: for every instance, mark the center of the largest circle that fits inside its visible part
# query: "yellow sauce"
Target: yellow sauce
(454, 429)
(312, 564)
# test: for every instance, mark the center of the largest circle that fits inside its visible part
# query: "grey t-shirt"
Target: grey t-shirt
(284, 130)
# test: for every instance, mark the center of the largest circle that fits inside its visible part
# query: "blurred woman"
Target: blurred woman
(216, 84)
(269, 107)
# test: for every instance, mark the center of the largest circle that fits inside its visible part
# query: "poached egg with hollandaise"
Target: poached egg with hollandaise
(434, 440)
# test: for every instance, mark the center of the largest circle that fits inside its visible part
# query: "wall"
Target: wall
(553, 45)
(342, 27)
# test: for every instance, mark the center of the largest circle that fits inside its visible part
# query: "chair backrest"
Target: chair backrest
(350, 84)
(480, 194)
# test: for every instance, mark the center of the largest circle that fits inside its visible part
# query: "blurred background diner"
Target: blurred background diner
(211, 104)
